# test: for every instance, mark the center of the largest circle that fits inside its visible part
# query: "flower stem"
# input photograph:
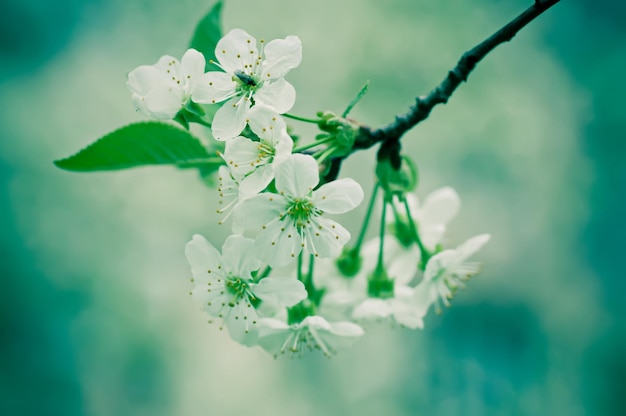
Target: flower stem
(366, 220)
(380, 265)
(323, 154)
(314, 144)
(423, 251)
(306, 120)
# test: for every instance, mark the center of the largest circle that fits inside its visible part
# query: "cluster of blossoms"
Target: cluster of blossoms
(285, 279)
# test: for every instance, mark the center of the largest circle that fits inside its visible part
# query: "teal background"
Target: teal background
(95, 317)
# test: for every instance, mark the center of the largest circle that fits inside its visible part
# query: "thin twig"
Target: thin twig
(441, 94)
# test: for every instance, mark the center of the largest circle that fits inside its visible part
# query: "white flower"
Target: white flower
(225, 288)
(446, 271)
(291, 221)
(163, 89)
(254, 161)
(250, 77)
(313, 333)
(431, 217)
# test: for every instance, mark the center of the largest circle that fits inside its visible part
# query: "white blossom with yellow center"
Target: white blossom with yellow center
(291, 220)
(447, 271)
(224, 286)
(250, 76)
(254, 161)
(163, 89)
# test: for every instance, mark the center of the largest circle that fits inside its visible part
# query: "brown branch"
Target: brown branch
(441, 94)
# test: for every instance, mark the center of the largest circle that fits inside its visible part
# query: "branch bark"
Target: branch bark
(441, 94)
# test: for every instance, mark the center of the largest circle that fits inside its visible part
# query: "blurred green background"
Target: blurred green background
(94, 311)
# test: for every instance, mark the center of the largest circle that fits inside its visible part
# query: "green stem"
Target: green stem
(307, 279)
(380, 265)
(322, 155)
(314, 144)
(306, 120)
(366, 220)
(423, 251)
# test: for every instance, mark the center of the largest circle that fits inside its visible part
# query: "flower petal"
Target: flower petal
(282, 292)
(281, 55)
(279, 244)
(230, 119)
(408, 314)
(213, 87)
(241, 155)
(440, 207)
(238, 255)
(143, 79)
(338, 196)
(372, 308)
(325, 238)
(278, 95)
(241, 323)
(257, 180)
(438, 264)
(192, 68)
(258, 211)
(471, 246)
(297, 175)
(236, 50)
(202, 257)
(163, 102)
(266, 124)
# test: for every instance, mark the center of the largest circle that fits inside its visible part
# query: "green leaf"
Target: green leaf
(141, 144)
(208, 33)
(356, 99)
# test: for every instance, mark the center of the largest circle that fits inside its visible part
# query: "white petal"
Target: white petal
(325, 238)
(213, 87)
(346, 329)
(202, 257)
(241, 323)
(297, 175)
(273, 334)
(230, 119)
(192, 68)
(372, 308)
(279, 244)
(163, 102)
(424, 295)
(241, 155)
(233, 51)
(283, 292)
(239, 258)
(167, 62)
(471, 246)
(257, 180)
(331, 336)
(440, 207)
(338, 196)
(401, 261)
(143, 79)
(438, 264)
(259, 210)
(266, 124)
(406, 313)
(281, 55)
(278, 95)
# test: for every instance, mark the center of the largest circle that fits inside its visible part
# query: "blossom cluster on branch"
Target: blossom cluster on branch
(286, 279)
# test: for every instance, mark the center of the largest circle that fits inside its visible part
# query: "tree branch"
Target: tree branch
(441, 94)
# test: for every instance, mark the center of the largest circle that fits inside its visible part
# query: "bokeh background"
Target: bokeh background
(95, 317)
